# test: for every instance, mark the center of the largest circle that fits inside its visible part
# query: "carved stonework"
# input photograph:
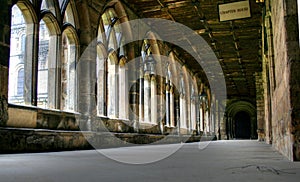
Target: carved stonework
(3, 110)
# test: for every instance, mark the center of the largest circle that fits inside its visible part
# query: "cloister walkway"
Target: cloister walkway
(236, 160)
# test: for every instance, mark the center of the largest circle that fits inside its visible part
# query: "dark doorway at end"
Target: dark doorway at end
(242, 125)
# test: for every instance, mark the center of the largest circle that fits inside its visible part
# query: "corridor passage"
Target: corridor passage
(237, 160)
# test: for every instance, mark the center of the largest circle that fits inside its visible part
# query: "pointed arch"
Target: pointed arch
(51, 22)
(194, 103)
(26, 30)
(149, 94)
(52, 6)
(112, 84)
(123, 89)
(101, 80)
(233, 109)
(48, 94)
(70, 54)
(28, 11)
(110, 58)
(69, 13)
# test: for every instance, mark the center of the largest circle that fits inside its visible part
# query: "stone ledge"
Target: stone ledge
(16, 140)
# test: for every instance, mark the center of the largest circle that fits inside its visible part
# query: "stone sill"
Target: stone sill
(15, 140)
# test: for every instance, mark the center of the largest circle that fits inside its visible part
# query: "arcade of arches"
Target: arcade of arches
(66, 68)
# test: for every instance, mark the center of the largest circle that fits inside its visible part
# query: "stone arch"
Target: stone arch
(175, 89)
(187, 80)
(233, 110)
(101, 77)
(71, 33)
(173, 68)
(28, 11)
(48, 90)
(119, 10)
(112, 85)
(69, 59)
(152, 38)
(113, 58)
(68, 8)
(52, 6)
(51, 22)
(101, 51)
(30, 49)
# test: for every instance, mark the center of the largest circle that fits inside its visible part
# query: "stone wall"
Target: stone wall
(268, 70)
(15, 140)
(4, 52)
(260, 111)
(293, 57)
(285, 101)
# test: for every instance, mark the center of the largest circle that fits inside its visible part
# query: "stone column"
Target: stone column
(5, 18)
(260, 107)
(197, 108)
(113, 89)
(153, 98)
(147, 97)
(201, 113)
(264, 132)
(168, 105)
(141, 94)
(227, 126)
(31, 64)
(172, 107)
(193, 115)
(135, 83)
(177, 113)
(222, 120)
(86, 70)
(232, 127)
(54, 72)
(183, 111)
(161, 103)
(218, 121)
(188, 111)
(207, 123)
(213, 115)
(86, 76)
(123, 90)
(101, 86)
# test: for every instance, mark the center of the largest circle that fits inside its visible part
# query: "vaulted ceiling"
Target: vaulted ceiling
(236, 43)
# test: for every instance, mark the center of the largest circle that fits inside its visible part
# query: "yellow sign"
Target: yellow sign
(233, 11)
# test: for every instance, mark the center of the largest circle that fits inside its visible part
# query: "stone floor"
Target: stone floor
(239, 160)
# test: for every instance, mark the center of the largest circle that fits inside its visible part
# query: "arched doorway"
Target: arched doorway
(242, 123)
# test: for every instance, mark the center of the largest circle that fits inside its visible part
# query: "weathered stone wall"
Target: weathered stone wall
(293, 57)
(268, 70)
(265, 127)
(260, 111)
(285, 102)
(30, 140)
(4, 52)
(41, 140)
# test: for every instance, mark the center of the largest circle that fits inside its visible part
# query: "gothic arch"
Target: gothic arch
(51, 22)
(28, 11)
(68, 9)
(29, 50)
(52, 6)
(71, 33)
(69, 59)
(233, 109)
